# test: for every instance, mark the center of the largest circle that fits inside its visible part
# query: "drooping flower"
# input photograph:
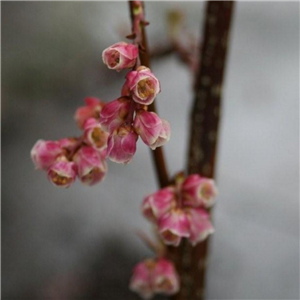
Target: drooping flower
(157, 204)
(91, 165)
(121, 144)
(148, 126)
(199, 191)
(120, 56)
(200, 225)
(173, 226)
(154, 276)
(165, 279)
(114, 114)
(62, 173)
(45, 153)
(141, 279)
(90, 110)
(164, 135)
(143, 85)
(94, 134)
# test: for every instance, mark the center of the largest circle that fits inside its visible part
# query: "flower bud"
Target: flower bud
(199, 191)
(62, 173)
(148, 126)
(157, 204)
(120, 56)
(90, 110)
(165, 279)
(94, 135)
(143, 85)
(164, 135)
(141, 279)
(45, 153)
(200, 225)
(173, 226)
(92, 167)
(114, 113)
(121, 144)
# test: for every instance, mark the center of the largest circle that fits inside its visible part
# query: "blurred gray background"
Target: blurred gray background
(80, 243)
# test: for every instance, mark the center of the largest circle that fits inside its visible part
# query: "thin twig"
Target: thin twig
(158, 153)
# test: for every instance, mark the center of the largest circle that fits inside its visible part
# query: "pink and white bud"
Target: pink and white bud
(173, 226)
(94, 135)
(45, 153)
(143, 85)
(120, 56)
(164, 135)
(148, 126)
(114, 113)
(157, 204)
(199, 191)
(200, 225)
(62, 173)
(69, 144)
(165, 279)
(140, 281)
(90, 110)
(92, 167)
(121, 144)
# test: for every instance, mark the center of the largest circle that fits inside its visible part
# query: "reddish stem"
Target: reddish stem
(157, 154)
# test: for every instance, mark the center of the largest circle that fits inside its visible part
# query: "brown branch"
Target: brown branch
(157, 154)
(192, 261)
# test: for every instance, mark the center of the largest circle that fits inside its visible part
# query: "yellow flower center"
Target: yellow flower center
(145, 88)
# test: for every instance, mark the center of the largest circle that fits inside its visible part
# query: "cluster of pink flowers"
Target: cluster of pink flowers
(154, 276)
(179, 211)
(82, 157)
(127, 118)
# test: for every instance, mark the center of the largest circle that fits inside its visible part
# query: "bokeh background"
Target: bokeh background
(80, 243)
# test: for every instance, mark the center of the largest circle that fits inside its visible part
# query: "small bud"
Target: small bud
(165, 279)
(44, 153)
(199, 191)
(173, 226)
(148, 126)
(157, 204)
(120, 56)
(143, 85)
(92, 167)
(200, 225)
(121, 144)
(94, 135)
(164, 135)
(114, 113)
(90, 110)
(62, 173)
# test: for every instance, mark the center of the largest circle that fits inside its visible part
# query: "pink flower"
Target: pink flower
(157, 204)
(91, 165)
(141, 279)
(94, 134)
(45, 153)
(62, 173)
(148, 125)
(165, 279)
(164, 135)
(173, 226)
(120, 56)
(121, 144)
(152, 277)
(114, 114)
(69, 144)
(90, 110)
(144, 86)
(200, 225)
(199, 191)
